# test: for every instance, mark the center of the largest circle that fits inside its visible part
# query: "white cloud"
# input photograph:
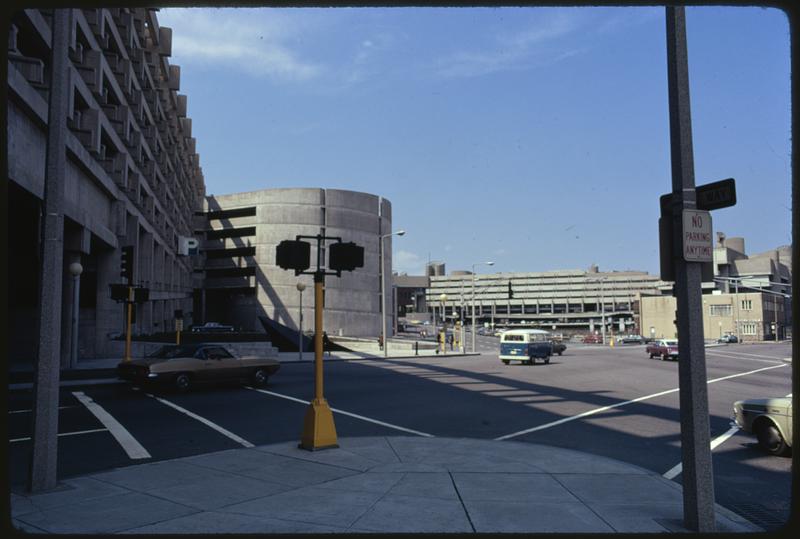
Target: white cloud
(408, 262)
(254, 41)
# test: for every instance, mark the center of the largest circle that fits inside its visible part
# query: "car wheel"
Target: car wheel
(506, 361)
(664, 357)
(183, 382)
(769, 438)
(260, 378)
(651, 356)
(547, 359)
(559, 353)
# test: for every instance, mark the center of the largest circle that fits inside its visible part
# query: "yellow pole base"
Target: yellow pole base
(319, 432)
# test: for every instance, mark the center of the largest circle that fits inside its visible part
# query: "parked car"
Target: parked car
(728, 339)
(631, 339)
(769, 419)
(593, 339)
(559, 347)
(185, 365)
(663, 348)
(212, 327)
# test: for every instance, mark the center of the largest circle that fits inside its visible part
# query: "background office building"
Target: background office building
(242, 281)
(132, 176)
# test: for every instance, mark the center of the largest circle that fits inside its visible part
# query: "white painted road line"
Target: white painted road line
(361, 417)
(734, 351)
(62, 434)
(678, 468)
(204, 421)
(29, 411)
(133, 448)
(617, 405)
(731, 356)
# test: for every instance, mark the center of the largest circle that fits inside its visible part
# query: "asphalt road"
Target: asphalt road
(581, 400)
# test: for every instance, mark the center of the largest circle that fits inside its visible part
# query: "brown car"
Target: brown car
(185, 365)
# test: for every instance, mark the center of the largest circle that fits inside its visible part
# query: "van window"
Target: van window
(519, 338)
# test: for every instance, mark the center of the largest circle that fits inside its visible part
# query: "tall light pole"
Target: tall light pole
(383, 294)
(488, 263)
(442, 300)
(75, 269)
(300, 288)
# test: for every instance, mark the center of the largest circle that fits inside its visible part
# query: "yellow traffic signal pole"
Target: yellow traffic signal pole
(319, 431)
(128, 325)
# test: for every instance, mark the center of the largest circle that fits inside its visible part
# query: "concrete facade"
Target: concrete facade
(242, 280)
(567, 301)
(132, 176)
(751, 316)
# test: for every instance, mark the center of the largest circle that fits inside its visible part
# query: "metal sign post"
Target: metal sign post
(698, 480)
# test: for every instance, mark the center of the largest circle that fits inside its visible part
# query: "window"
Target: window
(747, 305)
(720, 310)
(518, 338)
(749, 328)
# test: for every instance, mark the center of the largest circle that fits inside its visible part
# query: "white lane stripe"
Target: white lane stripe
(29, 411)
(678, 468)
(204, 421)
(720, 354)
(62, 434)
(361, 417)
(746, 354)
(133, 448)
(617, 405)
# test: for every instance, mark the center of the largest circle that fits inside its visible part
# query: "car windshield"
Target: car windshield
(672, 343)
(172, 351)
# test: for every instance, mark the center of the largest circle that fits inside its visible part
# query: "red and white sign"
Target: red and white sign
(698, 245)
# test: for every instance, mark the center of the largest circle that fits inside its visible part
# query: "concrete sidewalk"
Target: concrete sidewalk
(369, 484)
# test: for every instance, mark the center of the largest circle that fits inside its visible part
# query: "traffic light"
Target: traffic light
(345, 256)
(141, 295)
(294, 255)
(119, 292)
(126, 263)
(510, 292)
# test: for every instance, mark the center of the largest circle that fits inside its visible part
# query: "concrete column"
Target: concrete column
(43, 472)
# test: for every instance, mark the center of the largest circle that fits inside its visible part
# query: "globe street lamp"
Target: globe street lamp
(75, 269)
(383, 294)
(473, 300)
(300, 288)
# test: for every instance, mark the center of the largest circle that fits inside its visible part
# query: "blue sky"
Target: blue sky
(534, 137)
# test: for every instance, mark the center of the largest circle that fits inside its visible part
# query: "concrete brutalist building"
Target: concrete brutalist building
(243, 282)
(132, 176)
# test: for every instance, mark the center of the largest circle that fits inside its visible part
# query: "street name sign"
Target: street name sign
(698, 245)
(716, 195)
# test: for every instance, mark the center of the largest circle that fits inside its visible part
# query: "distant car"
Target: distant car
(631, 339)
(183, 366)
(769, 419)
(728, 339)
(212, 327)
(663, 348)
(592, 339)
(559, 347)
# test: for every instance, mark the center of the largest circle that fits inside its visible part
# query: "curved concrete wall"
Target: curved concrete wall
(352, 301)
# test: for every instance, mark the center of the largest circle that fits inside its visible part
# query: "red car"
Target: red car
(593, 339)
(663, 348)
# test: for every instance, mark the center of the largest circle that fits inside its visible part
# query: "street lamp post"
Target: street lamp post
(75, 269)
(300, 288)
(442, 300)
(488, 263)
(383, 294)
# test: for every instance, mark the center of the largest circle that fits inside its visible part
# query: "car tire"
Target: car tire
(651, 356)
(559, 353)
(664, 357)
(547, 359)
(770, 439)
(260, 378)
(183, 382)
(506, 361)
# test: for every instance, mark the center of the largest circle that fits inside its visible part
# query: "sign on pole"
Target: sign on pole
(716, 195)
(698, 246)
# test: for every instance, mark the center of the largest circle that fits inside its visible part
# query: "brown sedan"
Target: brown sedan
(185, 365)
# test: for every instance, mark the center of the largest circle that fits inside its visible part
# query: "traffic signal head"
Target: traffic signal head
(293, 255)
(126, 263)
(345, 256)
(510, 292)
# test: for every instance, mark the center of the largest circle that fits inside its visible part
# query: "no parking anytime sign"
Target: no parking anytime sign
(698, 245)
